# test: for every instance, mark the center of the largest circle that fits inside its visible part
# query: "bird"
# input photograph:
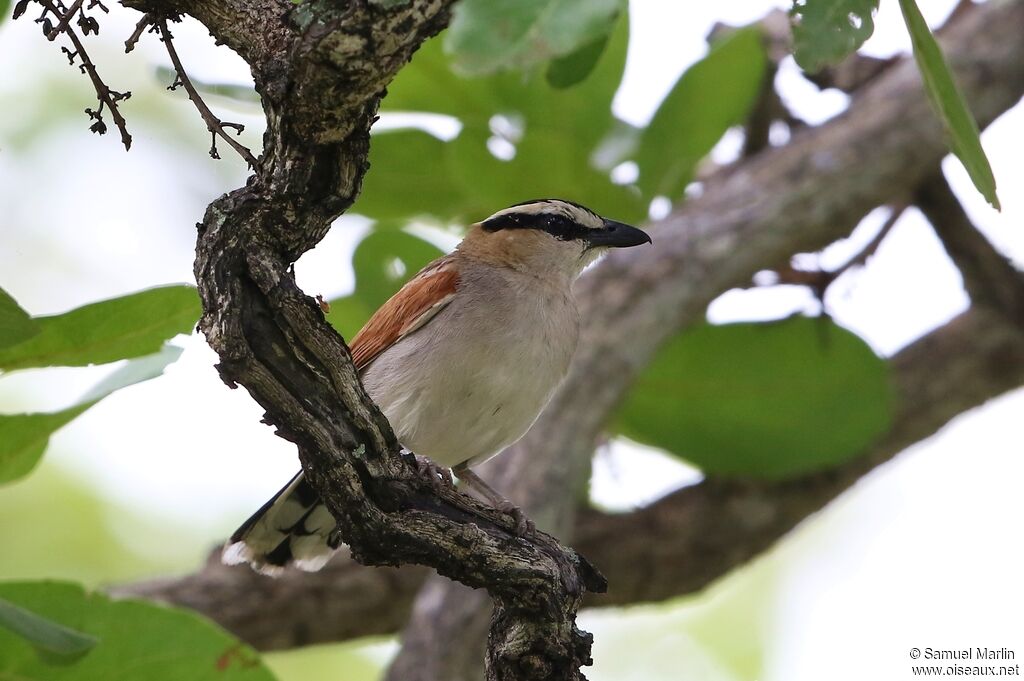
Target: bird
(461, 361)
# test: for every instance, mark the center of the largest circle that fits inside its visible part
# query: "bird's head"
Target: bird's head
(548, 235)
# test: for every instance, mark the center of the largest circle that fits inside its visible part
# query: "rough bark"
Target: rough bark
(321, 68)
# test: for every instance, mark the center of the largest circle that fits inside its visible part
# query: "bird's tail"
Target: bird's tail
(294, 527)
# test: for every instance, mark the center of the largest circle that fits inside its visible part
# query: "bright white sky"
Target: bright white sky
(925, 552)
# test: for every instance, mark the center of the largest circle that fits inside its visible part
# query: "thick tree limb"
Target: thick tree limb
(321, 68)
(793, 198)
(989, 278)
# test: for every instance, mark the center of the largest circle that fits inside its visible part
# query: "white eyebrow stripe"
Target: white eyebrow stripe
(579, 214)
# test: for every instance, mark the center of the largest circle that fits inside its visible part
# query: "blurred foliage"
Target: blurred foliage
(553, 132)
(99, 540)
(136, 640)
(47, 636)
(556, 140)
(576, 66)
(134, 327)
(713, 95)
(351, 661)
(486, 36)
(965, 139)
(383, 261)
(717, 634)
(24, 437)
(826, 31)
(761, 399)
(16, 325)
(121, 328)
(232, 91)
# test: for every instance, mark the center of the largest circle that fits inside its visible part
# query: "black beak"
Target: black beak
(616, 235)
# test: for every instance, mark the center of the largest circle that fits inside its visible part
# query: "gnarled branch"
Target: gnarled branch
(321, 72)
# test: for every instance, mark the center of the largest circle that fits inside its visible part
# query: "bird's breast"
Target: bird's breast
(474, 379)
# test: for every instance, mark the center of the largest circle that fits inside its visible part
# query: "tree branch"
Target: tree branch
(260, 31)
(321, 73)
(818, 280)
(989, 278)
(213, 124)
(107, 98)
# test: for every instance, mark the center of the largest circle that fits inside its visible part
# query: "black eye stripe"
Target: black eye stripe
(557, 225)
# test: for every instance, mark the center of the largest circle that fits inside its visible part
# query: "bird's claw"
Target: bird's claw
(523, 526)
(439, 477)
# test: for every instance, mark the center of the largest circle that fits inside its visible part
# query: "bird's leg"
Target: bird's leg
(523, 525)
(439, 477)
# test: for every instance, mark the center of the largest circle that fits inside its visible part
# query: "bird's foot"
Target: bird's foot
(439, 477)
(524, 527)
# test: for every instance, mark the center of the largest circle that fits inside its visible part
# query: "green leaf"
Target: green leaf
(120, 328)
(547, 163)
(581, 114)
(428, 84)
(768, 400)
(710, 97)
(383, 262)
(556, 134)
(348, 314)
(404, 181)
(574, 67)
(826, 31)
(5, 7)
(24, 437)
(486, 36)
(137, 640)
(46, 635)
(965, 140)
(15, 324)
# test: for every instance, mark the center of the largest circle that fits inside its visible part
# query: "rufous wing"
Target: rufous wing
(414, 305)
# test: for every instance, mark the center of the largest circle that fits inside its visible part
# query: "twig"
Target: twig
(62, 25)
(104, 94)
(145, 22)
(767, 109)
(819, 280)
(852, 73)
(861, 258)
(213, 124)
